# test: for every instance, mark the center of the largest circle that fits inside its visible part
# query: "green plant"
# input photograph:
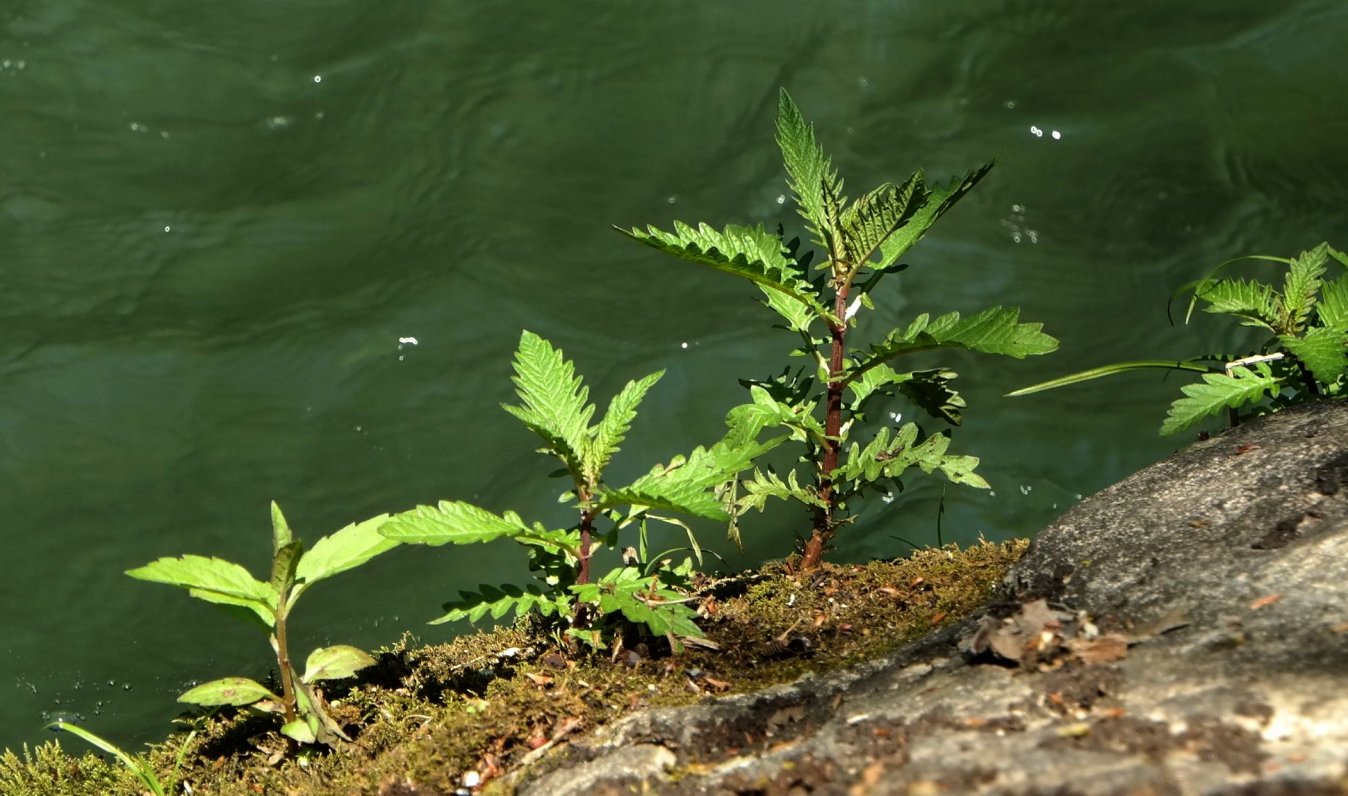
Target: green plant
(822, 402)
(1303, 358)
(268, 605)
(644, 589)
(135, 765)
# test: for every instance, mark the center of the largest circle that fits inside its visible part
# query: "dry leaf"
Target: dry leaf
(1267, 599)
(1102, 649)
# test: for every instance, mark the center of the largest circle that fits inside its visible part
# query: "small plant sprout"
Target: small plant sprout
(268, 605)
(134, 764)
(823, 403)
(1304, 356)
(644, 589)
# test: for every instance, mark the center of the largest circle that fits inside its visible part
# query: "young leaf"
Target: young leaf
(687, 485)
(451, 522)
(811, 176)
(1219, 391)
(938, 201)
(227, 691)
(283, 567)
(1110, 370)
(554, 397)
(1300, 286)
(629, 592)
(1323, 352)
(611, 430)
(335, 662)
(344, 549)
(749, 252)
(875, 215)
(280, 530)
(213, 580)
(301, 730)
(143, 771)
(871, 381)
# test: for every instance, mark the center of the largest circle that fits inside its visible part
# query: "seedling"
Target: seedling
(134, 764)
(268, 605)
(1303, 358)
(822, 403)
(644, 590)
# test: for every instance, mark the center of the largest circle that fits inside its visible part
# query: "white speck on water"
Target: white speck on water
(279, 122)
(1057, 136)
(407, 341)
(359, 429)
(1036, 132)
(896, 416)
(781, 198)
(684, 345)
(167, 228)
(137, 127)
(318, 78)
(1025, 489)
(887, 497)
(1010, 105)
(992, 493)
(672, 198)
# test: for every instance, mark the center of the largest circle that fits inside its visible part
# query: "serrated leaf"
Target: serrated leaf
(1332, 309)
(797, 314)
(213, 580)
(451, 522)
(335, 663)
(875, 215)
(765, 485)
(1219, 391)
(992, 331)
(1300, 287)
(765, 411)
(871, 381)
(642, 600)
(810, 174)
(344, 549)
(555, 400)
(227, 691)
(498, 601)
(1322, 351)
(938, 201)
(884, 457)
(1251, 300)
(749, 252)
(688, 485)
(611, 430)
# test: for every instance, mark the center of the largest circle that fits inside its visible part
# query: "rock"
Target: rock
(1183, 631)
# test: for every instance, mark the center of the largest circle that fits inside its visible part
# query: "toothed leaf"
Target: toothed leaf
(499, 601)
(939, 200)
(1300, 287)
(1322, 351)
(1219, 391)
(612, 429)
(811, 176)
(875, 215)
(554, 399)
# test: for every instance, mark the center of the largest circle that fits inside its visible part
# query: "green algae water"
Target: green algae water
(285, 251)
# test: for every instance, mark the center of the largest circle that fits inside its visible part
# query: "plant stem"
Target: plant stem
(586, 529)
(824, 515)
(283, 660)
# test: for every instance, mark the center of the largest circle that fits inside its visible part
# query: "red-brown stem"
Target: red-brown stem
(823, 515)
(283, 659)
(586, 529)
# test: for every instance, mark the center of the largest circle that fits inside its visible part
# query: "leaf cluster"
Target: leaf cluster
(267, 605)
(1303, 357)
(554, 404)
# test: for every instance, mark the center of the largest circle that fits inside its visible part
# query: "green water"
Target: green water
(216, 223)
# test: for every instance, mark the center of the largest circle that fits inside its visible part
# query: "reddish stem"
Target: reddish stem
(824, 525)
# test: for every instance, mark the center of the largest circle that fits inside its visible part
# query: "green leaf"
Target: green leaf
(939, 200)
(871, 381)
(768, 484)
(1332, 309)
(992, 331)
(749, 252)
(227, 691)
(457, 522)
(335, 663)
(1322, 351)
(886, 458)
(810, 174)
(554, 399)
(1300, 287)
(688, 484)
(213, 580)
(1255, 302)
(611, 430)
(1218, 391)
(283, 567)
(797, 314)
(642, 600)
(498, 601)
(301, 730)
(281, 534)
(344, 549)
(143, 771)
(874, 217)
(1113, 369)
(766, 411)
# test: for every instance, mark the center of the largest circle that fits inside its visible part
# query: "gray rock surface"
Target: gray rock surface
(1184, 631)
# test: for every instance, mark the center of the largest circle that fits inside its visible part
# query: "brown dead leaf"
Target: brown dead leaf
(936, 620)
(1102, 649)
(540, 680)
(1267, 599)
(715, 684)
(1341, 627)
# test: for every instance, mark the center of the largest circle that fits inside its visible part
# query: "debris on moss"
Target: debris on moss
(458, 716)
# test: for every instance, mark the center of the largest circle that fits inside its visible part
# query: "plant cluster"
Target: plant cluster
(598, 579)
(1304, 356)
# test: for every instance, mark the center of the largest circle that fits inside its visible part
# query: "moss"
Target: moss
(489, 701)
